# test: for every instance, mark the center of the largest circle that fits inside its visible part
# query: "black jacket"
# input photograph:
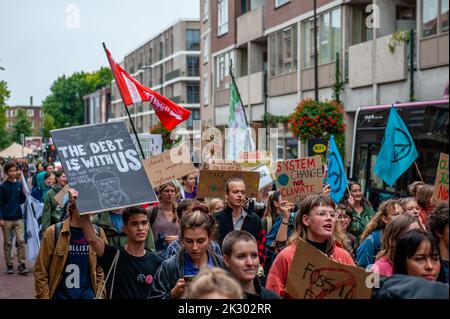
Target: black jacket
(409, 287)
(224, 219)
(261, 292)
(171, 270)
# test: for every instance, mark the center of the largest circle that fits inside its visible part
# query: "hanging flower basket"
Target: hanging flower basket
(312, 119)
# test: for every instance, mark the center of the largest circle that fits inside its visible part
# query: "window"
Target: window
(444, 15)
(205, 49)
(283, 51)
(329, 38)
(193, 92)
(193, 40)
(361, 32)
(41, 114)
(195, 116)
(32, 124)
(205, 10)
(429, 17)
(192, 63)
(222, 17)
(279, 3)
(222, 68)
(243, 62)
(245, 6)
(205, 90)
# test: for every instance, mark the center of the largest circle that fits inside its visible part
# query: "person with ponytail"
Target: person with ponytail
(315, 223)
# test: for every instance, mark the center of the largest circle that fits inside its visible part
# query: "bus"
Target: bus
(427, 123)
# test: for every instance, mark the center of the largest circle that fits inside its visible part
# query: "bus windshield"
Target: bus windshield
(428, 126)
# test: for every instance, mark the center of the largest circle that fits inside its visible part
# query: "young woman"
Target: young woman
(424, 199)
(362, 211)
(371, 237)
(315, 224)
(437, 224)
(187, 206)
(347, 240)
(415, 187)
(164, 219)
(417, 254)
(394, 230)
(216, 205)
(197, 229)
(188, 187)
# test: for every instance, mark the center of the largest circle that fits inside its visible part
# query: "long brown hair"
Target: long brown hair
(365, 202)
(376, 222)
(424, 196)
(306, 206)
(270, 213)
(393, 231)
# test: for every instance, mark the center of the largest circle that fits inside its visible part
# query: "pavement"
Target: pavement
(15, 286)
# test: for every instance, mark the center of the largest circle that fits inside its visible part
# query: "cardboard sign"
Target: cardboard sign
(59, 198)
(213, 183)
(299, 178)
(222, 165)
(103, 165)
(266, 177)
(162, 170)
(251, 160)
(314, 276)
(440, 194)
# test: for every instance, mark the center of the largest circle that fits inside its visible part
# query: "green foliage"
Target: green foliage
(48, 124)
(65, 103)
(165, 134)
(339, 85)
(275, 119)
(4, 95)
(397, 38)
(22, 125)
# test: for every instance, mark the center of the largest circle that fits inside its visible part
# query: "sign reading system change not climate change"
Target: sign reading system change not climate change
(103, 165)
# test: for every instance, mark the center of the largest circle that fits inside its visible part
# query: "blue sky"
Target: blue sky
(43, 39)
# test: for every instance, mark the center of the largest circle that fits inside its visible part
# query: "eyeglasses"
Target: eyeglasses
(324, 213)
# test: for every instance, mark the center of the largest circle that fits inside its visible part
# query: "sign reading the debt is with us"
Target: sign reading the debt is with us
(103, 165)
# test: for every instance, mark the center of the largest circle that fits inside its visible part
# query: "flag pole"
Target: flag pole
(418, 171)
(126, 108)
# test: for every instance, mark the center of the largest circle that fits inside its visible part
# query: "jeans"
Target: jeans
(17, 227)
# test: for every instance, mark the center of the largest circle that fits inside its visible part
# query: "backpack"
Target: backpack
(58, 227)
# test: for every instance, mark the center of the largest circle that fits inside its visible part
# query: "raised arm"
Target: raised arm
(88, 229)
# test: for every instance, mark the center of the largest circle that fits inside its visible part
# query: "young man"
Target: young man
(240, 253)
(53, 212)
(66, 267)
(12, 195)
(437, 224)
(234, 216)
(132, 267)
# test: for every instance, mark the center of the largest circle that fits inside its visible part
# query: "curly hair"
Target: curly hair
(437, 220)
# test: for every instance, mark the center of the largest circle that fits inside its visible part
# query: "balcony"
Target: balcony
(251, 88)
(389, 67)
(172, 75)
(250, 26)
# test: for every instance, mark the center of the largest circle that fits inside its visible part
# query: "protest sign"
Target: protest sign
(162, 170)
(103, 165)
(266, 177)
(222, 165)
(299, 178)
(152, 144)
(441, 184)
(249, 160)
(59, 198)
(213, 183)
(314, 276)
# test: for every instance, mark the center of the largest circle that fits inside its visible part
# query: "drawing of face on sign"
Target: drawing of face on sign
(109, 190)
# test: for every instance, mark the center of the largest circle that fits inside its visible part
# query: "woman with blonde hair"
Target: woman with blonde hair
(216, 205)
(394, 230)
(214, 283)
(164, 218)
(315, 223)
(371, 237)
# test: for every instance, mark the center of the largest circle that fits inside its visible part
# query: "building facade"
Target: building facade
(271, 46)
(34, 113)
(97, 106)
(169, 64)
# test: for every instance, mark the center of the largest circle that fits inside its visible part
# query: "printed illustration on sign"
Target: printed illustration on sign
(109, 190)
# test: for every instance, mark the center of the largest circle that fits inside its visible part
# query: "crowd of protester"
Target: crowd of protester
(231, 247)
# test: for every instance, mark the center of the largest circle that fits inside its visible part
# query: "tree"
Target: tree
(48, 124)
(22, 126)
(4, 95)
(65, 103)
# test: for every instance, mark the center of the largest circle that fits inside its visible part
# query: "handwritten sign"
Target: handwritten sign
(250, 160)
(441, 184)
(266, 177)
(222, 165)
(162, 170)
(213, 183)
(103, 165)
(314, 276)
(299, 178)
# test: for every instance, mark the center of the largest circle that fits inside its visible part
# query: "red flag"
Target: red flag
(169, 113)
